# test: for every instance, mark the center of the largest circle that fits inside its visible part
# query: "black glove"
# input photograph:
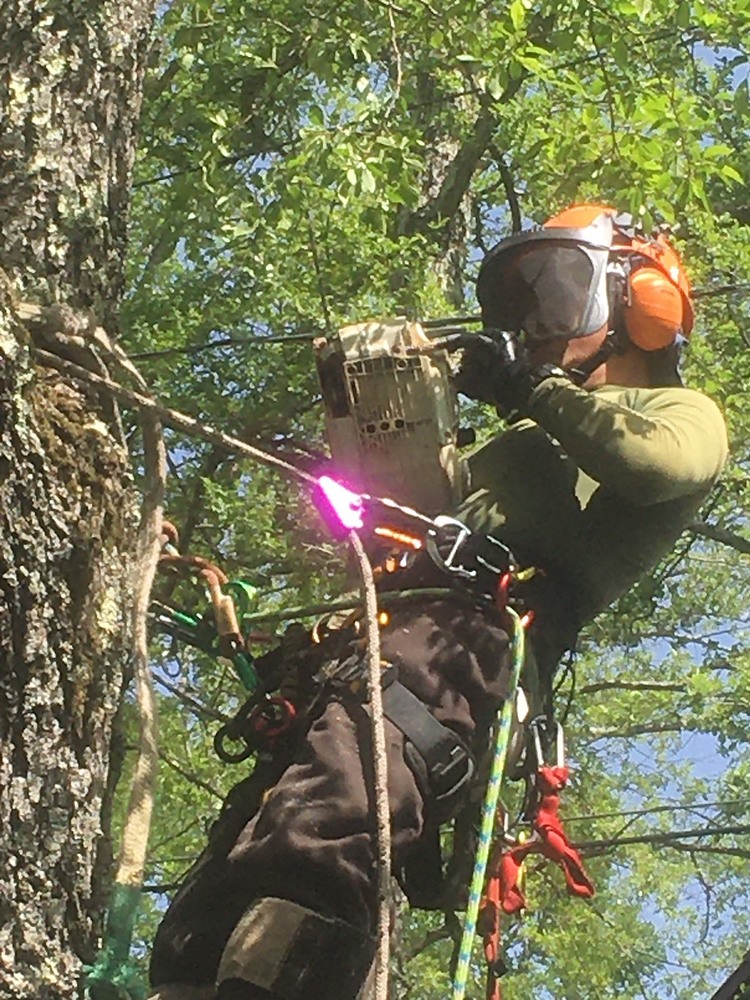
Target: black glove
(482, 359)
(515, 383)
(489, 375)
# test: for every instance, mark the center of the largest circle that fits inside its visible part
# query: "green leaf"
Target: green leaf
(367, 180)
(517, 14)
(316, 116)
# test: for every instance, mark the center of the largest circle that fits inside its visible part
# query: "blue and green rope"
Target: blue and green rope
(489, 809)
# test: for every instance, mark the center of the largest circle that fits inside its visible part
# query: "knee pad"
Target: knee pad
(285, 951)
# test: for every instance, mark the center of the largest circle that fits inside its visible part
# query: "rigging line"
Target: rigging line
(173, 418)
(380, 765)
(430, 324)
(656, 809)
(280, 338)
(288, 338)
(662, 838)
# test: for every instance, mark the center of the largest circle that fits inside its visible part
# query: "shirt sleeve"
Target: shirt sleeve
(645, 445)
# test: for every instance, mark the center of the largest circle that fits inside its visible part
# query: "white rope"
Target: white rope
(134, 845)
(382, 807)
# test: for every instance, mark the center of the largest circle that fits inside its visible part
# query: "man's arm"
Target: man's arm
(646, 445)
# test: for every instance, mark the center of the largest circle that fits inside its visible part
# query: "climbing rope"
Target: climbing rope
(382, 808)
(112, 970)
(489, 808)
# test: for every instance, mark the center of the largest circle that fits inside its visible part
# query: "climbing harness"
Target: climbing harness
(331, 656)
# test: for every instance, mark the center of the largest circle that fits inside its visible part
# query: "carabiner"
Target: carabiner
(448, 563)
(552, 731)
(272, 717)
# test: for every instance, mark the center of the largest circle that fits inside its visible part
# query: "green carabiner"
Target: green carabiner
(245, 594)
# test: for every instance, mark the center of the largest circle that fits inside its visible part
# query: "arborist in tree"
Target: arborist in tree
(605, 460)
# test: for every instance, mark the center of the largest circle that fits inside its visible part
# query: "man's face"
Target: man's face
(569, 353)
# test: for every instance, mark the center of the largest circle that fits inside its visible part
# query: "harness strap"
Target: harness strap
(447, 761)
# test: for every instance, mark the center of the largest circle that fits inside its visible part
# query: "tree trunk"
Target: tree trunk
(70, 83)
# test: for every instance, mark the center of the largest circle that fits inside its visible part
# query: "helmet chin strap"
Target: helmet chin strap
(614, 343)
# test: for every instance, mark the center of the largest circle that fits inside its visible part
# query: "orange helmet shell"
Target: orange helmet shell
(578, 216)
(654, 292)
(658, 305)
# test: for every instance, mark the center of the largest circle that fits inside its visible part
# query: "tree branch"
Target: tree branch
(631, 686)
(458, 177)
(199, 709)
(730, 852)
(192, 778)
(593, 847)
(672, 726)
(735, 541)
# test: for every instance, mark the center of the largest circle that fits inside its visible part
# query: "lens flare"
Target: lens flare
(347, 506)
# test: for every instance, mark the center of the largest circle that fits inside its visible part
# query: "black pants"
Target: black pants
(312, 842)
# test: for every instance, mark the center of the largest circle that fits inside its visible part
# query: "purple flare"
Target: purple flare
(347, 506)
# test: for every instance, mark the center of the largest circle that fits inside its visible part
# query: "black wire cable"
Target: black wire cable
(430, 324)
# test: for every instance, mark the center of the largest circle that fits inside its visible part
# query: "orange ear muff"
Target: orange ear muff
(654, 316)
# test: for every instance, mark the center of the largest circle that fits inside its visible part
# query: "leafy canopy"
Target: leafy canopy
(305, 166)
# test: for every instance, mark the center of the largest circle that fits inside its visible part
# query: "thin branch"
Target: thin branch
(730, 852)
(677, 807)
(592, 847)
(397, 55)
(160, 887)
(674, 726)
(198, 708)
(631, 686)
(735, 541)
(430, 938)
(608, 89)
(707, 892)
(192, 778)
(509, 187)
(319, 273)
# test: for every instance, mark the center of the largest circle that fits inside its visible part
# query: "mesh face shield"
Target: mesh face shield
(548, 283)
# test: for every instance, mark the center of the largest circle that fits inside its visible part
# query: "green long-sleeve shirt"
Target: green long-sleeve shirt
(597, 486)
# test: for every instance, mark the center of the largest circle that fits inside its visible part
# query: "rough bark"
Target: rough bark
(70, 85)
(70, 79)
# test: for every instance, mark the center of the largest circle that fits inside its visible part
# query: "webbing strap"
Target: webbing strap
(448, 762)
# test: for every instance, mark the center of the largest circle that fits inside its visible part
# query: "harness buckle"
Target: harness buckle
(448, 776)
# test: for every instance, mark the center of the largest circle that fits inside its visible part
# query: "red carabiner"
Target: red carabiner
(272, 717)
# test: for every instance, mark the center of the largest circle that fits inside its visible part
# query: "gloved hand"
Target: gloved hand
(482, 359)
(489, 375)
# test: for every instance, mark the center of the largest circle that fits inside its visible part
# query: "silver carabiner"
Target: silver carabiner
(542, 723)
(448, 563)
